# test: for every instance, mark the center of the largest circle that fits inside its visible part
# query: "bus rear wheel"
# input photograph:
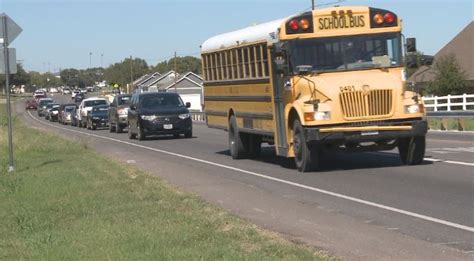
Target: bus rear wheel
(412, 150)
(236, 141)
(306, 158)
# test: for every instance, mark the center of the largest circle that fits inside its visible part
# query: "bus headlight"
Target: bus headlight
(322, 115)
(415, 108)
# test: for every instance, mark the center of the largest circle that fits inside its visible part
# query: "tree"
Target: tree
(183, 65)
(18, 79)
(411, 71)
(123, 72)
(450, 78)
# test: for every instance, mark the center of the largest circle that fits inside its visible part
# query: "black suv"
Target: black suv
(158, 113)
(118, 112)
(97, 117)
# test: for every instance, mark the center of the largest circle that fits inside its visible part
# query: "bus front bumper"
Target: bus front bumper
(366, 133)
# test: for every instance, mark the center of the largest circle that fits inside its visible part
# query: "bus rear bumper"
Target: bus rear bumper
(366, 133)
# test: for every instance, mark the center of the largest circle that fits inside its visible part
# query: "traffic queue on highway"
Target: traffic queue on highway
(142, 114)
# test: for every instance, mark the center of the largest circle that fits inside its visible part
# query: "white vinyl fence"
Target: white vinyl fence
(450, 103)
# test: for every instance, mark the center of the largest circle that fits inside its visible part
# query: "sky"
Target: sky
(62, 33)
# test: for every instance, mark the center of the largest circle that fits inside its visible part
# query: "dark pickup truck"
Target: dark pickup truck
(118, 112)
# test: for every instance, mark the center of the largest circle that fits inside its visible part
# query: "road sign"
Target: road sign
(11, 59)
(13, 30)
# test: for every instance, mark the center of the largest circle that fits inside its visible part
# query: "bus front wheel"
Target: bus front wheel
(306, 158)
(236, 142)
(412, 150)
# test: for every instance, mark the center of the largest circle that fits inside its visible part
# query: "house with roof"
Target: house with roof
(144, 81)
(160, 83)
(462, 47)
(190, 87)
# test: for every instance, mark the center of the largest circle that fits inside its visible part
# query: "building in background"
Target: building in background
(189, 86)
(462, 47)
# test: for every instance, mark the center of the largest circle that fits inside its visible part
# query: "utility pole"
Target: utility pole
(102, 60)
(312, 4)
(10, 167)
(175, 73)
(131, 73)
(90, 59)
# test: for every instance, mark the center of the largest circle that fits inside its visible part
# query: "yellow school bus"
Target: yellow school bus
(327, 79)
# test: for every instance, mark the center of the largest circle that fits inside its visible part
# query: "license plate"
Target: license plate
(168, 126)
(369, 133)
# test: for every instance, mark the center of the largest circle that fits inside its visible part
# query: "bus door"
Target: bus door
(279, 67)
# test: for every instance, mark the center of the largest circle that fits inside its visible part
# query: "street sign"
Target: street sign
(13, 30)
(11, 59)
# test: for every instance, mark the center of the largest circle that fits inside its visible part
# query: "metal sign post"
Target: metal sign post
(9, 31)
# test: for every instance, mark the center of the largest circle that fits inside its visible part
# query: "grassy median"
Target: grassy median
(66, 202)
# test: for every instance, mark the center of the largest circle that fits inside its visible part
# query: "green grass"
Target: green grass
(66, 202)
(465, 124)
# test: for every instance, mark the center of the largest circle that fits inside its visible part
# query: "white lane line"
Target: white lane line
(428, 159)
(322, 191)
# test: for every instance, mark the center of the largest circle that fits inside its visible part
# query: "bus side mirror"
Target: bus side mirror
(188, 105)
(280, 66)
(411, 45)
(412, 61)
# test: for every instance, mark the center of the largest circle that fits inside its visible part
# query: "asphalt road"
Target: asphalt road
(359, 207)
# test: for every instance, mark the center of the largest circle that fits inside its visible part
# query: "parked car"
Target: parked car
(74, 119)
(158, 113)
(66, 90)
(67, 114)
(42, 105)
(79, 97)
(90, 88)
(53, 90)
(118, 111)
(86, 105)
(48, 111)
(74, 93)
(53, 113)
(31, 104)
(83, 90)
(61, 110)
(97, 117)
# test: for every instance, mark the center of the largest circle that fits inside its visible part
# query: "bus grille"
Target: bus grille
(359, 104)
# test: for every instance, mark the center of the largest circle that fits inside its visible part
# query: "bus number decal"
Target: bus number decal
(349, 88)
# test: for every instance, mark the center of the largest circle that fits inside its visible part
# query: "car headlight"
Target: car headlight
(55, 112)
(322, 115)
(96, 118)
(148, 117)
(415, 108)
(122, 111)
(184, 116)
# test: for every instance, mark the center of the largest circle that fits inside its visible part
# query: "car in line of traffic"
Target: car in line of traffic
(143, 114)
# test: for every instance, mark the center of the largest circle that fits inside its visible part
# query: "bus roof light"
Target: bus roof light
(389, 18)
(378, 18)
(304, 23)
(294, 25)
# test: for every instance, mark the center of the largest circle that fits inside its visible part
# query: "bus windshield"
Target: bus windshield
(346, 53)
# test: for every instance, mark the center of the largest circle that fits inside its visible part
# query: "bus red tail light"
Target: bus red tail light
(294, 25)
(300, 24)
(382, 18)
(389, 18)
